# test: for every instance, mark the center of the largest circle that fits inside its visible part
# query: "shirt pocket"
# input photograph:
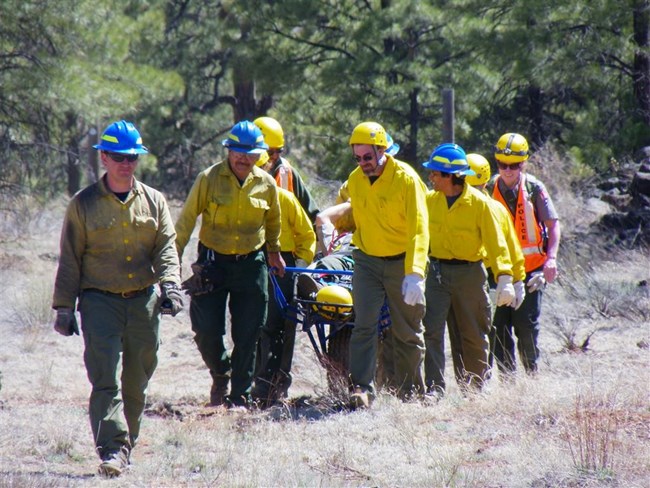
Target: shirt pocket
(218, 210)
(102, 235)
(258, 209)
(146, 228)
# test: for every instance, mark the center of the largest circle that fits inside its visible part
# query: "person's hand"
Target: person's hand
(66, 322)
(536, 281)
(550, 270)
(413, 289)
(301, 263)
(505, 291)
(171, 299)
(276, 262)
(520, 294)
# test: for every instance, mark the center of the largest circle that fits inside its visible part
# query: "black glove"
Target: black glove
(171, 300)
(66, 322)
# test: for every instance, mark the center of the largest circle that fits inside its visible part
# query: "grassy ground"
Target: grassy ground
(583, 421)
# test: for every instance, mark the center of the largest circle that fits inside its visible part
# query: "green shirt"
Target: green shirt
(115, 246)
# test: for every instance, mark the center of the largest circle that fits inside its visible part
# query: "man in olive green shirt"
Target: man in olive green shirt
(117, 242)
(240, 211)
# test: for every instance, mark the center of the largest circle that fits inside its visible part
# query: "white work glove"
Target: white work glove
(536, 281)
(413, 289)
(505, 291)
(301, 263)
(520, 294)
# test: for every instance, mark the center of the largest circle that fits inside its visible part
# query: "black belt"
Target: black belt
(232, 258)
(454, 261)
(124, 294)
(396, 257)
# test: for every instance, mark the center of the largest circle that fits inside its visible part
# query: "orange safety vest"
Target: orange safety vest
(529, 230)
(284, 176)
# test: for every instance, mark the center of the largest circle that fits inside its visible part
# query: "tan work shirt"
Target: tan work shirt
(115, 246)
(236, 219)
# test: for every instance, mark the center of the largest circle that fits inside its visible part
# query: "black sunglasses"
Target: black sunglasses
(119, 158)
(513, 167)
(365, 157)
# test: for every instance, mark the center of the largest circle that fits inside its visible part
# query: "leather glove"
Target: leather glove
(536, 281)
(171, 300)
(66, 322)
(505, 291)
(301, 263)
(413, 289)
(520, 294)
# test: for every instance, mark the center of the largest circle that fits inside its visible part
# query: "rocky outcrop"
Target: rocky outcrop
(628, 191)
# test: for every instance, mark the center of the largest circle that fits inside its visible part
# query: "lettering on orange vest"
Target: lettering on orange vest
(529, 230)
(284, 177)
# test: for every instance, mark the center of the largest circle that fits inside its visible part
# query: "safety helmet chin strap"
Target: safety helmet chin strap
(382, 161)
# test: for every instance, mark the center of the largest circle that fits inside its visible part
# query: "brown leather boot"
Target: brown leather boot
(219, 389)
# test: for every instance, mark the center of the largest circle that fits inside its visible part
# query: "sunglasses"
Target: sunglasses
(273, 152)
(365, 157)
(513, 167)
(119, 158)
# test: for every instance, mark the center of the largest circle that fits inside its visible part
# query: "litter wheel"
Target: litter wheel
(338, 361)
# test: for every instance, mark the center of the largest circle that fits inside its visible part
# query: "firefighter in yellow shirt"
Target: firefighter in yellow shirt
(275, 347)
(479, 180)
(240, 211)
(391, 239)
(462, 227)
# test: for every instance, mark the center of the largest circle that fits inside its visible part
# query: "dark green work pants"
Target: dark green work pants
(121, 338)
(375, 280)
(457, 297)
(243, 289)
(522, 323)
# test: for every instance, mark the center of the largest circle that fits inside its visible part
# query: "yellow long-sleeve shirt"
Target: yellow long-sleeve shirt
(115, 246)
(391, 214)
(514, 248)
(466, 229)
(297, 235)
(236, 219)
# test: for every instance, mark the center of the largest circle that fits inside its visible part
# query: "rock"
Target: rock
(640, 184)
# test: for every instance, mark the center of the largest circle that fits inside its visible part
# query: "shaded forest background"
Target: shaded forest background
(572, 74)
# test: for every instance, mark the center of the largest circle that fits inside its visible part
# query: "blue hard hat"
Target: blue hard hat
(246, 137)
(393, 147)
(449, 158)
(121, 137)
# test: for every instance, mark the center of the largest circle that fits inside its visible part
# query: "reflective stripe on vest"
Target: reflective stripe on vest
(528, 228)
(284, 177)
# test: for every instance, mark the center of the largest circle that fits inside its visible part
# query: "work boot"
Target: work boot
(219, 389)
(361, 399)
(114, 463)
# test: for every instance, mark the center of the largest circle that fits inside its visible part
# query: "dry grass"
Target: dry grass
(583, 421)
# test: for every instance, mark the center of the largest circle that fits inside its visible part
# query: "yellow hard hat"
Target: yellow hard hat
(264, 158)
(511, 148)
(370, 133)
(272, 130)
(335, 302)
(481, 167)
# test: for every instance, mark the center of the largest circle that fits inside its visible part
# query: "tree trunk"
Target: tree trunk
(537, 134)
(641, 69)
(72, 154)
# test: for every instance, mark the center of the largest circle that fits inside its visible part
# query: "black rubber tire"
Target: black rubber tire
(338, 361)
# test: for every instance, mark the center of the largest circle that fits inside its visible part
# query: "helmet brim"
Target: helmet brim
(135, 150)
(227, 143)
(447, 168)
